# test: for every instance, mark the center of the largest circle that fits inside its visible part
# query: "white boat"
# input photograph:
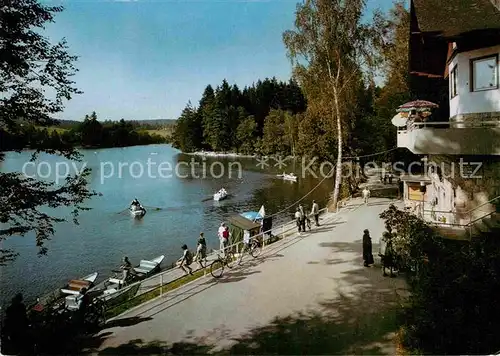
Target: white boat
(143, 270)
(220, 195)
(75, 286)
(291, 177)
(137, 211)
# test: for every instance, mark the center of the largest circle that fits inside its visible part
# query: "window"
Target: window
(453, 82)
(414, 192)
(484, 72)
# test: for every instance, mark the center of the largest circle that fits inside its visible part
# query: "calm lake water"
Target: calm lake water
(172, 182)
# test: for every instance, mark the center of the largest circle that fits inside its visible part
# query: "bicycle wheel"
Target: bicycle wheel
(255, 249)
(217, 268)
(230, 259)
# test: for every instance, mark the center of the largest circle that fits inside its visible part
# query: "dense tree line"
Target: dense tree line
(230, 119)
(88, 133)
(297, 117)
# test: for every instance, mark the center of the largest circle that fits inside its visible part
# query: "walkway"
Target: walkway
(307, 294)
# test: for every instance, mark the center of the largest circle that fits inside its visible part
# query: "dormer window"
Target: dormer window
(484, 73)
(453, 82)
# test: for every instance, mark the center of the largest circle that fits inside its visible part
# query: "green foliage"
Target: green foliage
(32, 65)
(89, 133)
(188, 131)
(276, 138)
(453, 308)
(224, 116)
(246, 133)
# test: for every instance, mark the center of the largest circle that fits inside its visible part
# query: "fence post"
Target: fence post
(161, 284)
(263, 240)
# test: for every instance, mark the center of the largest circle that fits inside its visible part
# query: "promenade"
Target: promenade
(306, 294)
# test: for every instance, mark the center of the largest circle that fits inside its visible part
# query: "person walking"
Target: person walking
(303, 218)
(298, 219)
(315, 212)
(201, 250)
(366, 195)
(223, 237)
(186, 260)
(367, 249)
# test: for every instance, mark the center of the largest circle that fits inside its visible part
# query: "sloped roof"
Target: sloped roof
(243, 223)
(455, 17)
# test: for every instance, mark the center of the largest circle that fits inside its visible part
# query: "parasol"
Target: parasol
(417, 105)
(252, 215)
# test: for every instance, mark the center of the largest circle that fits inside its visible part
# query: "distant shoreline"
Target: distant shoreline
(220, 154)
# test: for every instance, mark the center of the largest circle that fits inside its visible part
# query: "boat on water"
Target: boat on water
(144, 269)
(220, 195)
(73, 287)
(290, 177)
(137, 211)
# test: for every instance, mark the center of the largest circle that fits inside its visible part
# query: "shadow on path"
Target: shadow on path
(345, 325)
(361, 317)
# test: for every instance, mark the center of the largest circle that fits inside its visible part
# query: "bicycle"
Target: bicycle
(217, 266)
(254, 248)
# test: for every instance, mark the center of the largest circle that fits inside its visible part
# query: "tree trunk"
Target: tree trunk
(338, 167)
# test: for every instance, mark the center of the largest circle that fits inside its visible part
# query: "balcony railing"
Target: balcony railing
(450, 124)
(467, 219)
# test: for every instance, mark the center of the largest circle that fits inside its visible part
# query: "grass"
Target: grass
(50, 129)
(165, 133)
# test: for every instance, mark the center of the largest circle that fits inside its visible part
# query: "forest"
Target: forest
(296, 117)
(271, 118)
(86, 134)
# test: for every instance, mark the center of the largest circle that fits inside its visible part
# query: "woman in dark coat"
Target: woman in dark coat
(367, 249)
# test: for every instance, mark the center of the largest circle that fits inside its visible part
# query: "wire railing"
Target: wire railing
(168, 279)
(466, 220)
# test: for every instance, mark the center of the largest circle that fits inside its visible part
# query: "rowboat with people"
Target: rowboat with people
(290, 177)
(136, 209)
(220, 195)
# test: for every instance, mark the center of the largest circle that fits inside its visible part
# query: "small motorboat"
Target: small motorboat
(137, 211)
(220, 195)
(291, 177)
(75, 286)
(57, 298)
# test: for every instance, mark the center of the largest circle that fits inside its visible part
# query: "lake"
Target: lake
(160, 177)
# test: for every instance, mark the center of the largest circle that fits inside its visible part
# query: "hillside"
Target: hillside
(152, 124)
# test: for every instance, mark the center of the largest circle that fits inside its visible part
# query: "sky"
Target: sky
(146, 59)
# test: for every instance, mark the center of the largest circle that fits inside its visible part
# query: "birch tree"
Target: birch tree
(329, 52)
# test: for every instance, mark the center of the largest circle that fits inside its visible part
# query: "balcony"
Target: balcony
(453, 138)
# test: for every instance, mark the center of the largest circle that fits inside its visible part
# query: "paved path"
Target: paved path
(307, 294)
(171, 274)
